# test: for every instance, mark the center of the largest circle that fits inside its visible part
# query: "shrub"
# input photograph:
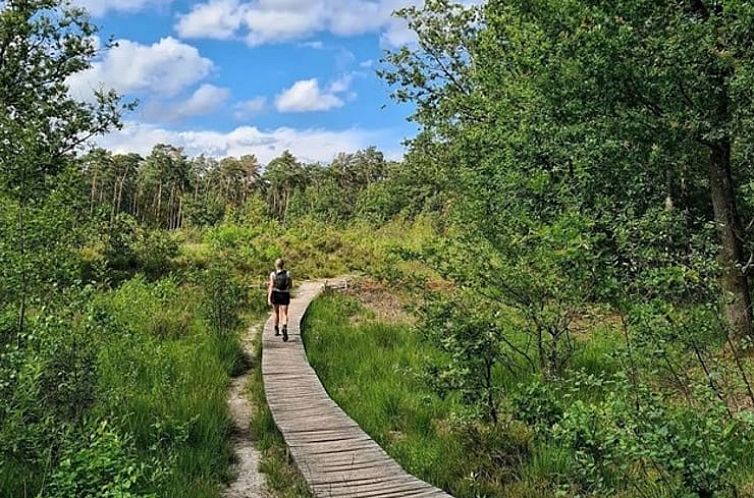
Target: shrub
(222, 299)
(97, 463)
(538, 405)
(494, 451)
(120, 259)
(155, 252)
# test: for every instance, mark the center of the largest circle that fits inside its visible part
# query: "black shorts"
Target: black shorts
(281, 298)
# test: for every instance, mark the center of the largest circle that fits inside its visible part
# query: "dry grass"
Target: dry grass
(384, 304)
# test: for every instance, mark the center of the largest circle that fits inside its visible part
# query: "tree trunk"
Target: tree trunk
(119, 201)
(669, 203)
(93, 194)
(159, 202)
(113, 203)
(734, 283)
(21, 229)
(179, 221)
(171, 208)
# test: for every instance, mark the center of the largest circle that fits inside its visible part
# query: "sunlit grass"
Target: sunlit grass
(166, 386)
(374, 372)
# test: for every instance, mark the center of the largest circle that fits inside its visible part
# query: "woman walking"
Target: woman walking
(279, 297)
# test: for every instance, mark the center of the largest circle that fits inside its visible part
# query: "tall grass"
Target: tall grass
(124, 396)
(376, 373)
(574, 436)
(166, 384)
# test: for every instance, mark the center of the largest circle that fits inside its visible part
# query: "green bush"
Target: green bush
(155, 251)
(119, 393)
(223, 298)
(539, 405)
(98, 462)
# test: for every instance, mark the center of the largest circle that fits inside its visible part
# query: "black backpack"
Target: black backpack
(282, 280)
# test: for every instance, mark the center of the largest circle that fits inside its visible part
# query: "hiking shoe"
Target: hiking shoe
(285, 335)
(277, 331)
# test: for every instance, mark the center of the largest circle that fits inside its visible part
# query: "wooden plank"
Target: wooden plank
(335, 456)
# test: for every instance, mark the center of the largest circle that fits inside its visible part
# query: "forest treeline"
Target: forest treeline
(168, 190)
(573, 223)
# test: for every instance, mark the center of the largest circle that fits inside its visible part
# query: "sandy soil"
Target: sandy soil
(249, 482)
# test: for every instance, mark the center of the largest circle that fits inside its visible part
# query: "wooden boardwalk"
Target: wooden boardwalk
(335, 456)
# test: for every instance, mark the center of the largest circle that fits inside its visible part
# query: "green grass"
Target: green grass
(373, 371)
(157, 424)
(169, 383)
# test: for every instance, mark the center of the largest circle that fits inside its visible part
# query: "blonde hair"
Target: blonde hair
(279, 263)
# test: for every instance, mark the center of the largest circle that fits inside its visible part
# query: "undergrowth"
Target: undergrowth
(590, 432)
(122, 394)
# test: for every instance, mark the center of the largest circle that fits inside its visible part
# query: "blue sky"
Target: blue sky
(232, 77)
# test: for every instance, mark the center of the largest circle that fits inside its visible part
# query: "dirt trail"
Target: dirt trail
(249, 482)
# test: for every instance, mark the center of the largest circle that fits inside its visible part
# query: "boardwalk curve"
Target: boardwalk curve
(335, 456)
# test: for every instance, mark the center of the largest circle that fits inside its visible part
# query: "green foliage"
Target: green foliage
(475, 346)
(222, 301)
(155, 252)
(47, 41)
(119, 392)
(99, 463)
(582, 434)
(119, 238)
(572, 157)
(658, 258)
(204, 212)
(537, 404)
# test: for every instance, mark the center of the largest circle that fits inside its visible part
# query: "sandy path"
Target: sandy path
(249, 482)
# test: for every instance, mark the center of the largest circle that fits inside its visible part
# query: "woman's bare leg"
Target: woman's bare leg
(284, 316)
(276, 314)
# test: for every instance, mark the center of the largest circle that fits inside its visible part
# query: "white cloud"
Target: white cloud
(341, 85)
(166, 67)
(249, 108)
(218, 19)
(309, 145)
(366, 64)
(397, 34)
(273, 21)
(307, 96)
(101, 7)
(205, 100)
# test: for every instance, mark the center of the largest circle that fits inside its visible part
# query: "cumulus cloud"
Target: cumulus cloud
(101, 7)
(218, 19)
(397, 34)
(273, 21)
(249, 108)
(166, 67)
(307, 96)
(205, 100)
(310, 144)
(341, 85)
